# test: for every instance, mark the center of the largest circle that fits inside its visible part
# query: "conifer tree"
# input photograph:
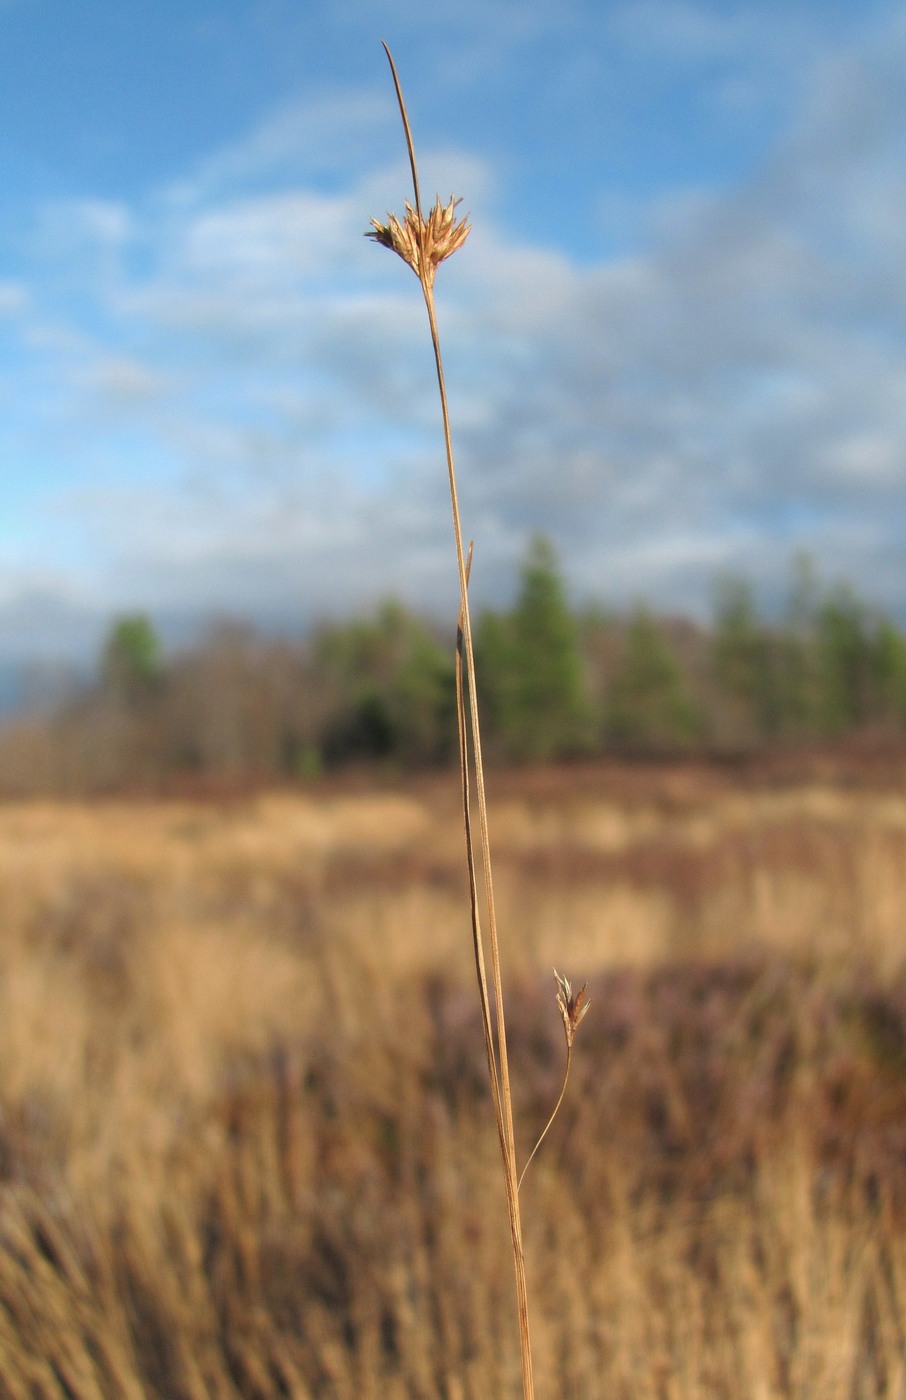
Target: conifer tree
(535, 679)
(649, 705)
(133, 657)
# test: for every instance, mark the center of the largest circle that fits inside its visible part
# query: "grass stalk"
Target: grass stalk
(424, 243)
(500, 1075)
(572, 1010)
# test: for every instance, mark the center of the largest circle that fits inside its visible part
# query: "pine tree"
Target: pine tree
(132, 660)
(648, 703)
(531, 669)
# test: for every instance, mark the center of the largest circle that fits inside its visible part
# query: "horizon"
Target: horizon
(37, 684)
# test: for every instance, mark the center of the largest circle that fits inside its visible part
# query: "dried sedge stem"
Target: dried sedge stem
(424, 244)
(477, 941)
(544, 1131)
(572, 1010)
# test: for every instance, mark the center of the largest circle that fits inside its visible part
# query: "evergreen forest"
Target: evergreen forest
(557, 683)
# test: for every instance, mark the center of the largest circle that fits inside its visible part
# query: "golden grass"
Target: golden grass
(246, 1146)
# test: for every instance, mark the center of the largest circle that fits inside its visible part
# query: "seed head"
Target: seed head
(572, 1008)
(421, 242)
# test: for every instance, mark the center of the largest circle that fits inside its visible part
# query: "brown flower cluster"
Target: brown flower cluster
(572, 1008)
(421, 242)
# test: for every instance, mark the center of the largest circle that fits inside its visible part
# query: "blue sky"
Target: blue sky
(675, 341)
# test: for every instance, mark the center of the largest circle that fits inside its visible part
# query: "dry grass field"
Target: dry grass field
(246, 1146)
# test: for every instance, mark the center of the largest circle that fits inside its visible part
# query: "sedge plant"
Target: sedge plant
(424, 241)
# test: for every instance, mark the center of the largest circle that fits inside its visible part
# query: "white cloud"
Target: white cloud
(309, 138)
(121, 381)
(70, 226)
(13, 299)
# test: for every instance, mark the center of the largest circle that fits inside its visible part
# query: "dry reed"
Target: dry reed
(424, 242)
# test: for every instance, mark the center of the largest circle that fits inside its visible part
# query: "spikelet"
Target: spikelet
(421, 242)
(572, 1008)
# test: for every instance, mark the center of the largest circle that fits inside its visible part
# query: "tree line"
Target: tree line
(555, 683)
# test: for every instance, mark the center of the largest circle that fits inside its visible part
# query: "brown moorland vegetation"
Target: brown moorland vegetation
(246, 1145)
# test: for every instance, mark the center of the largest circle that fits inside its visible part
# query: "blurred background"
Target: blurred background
(675, 340)
(246, 1138)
